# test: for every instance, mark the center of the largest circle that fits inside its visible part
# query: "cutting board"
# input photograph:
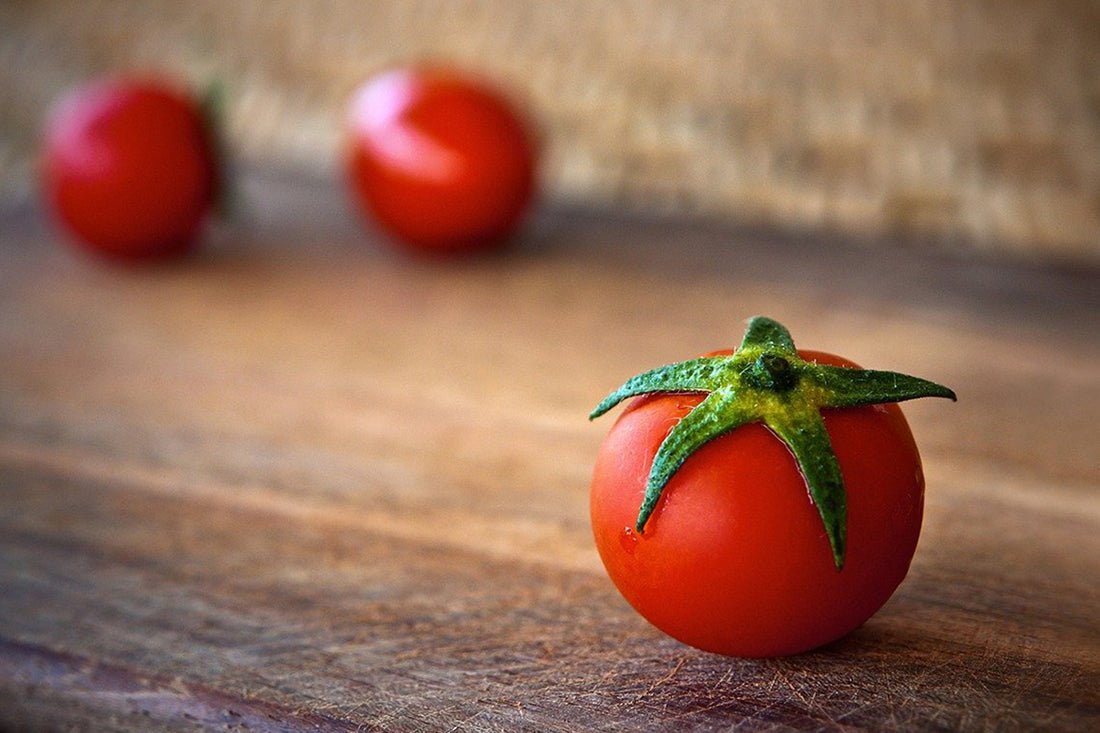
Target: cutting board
(302, 482)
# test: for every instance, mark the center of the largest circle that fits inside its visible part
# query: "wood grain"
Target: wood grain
(301, 483)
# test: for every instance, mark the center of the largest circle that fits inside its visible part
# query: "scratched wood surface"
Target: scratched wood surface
(301, 483)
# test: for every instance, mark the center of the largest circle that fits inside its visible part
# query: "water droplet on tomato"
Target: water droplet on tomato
(629, 540)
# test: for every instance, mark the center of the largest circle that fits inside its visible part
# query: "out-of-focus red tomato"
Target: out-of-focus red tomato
(443, 162)
(129, 168)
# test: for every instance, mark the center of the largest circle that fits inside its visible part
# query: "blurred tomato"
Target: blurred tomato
(441, 161)
(129, 168)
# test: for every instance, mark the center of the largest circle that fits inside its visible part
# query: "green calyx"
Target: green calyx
(212, 111)
(766, 381)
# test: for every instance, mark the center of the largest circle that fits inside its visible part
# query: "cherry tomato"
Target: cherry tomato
(734, 558)
(129, 168)
(441, 161)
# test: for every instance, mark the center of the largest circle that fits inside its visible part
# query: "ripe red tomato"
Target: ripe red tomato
(735, 559)
(441, 161)
(129, 168)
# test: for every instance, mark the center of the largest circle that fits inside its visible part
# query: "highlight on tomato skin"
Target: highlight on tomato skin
(441, 161)
(129, 168)
(734, 553)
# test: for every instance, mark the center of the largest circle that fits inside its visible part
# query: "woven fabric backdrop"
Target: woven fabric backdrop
(945, 123)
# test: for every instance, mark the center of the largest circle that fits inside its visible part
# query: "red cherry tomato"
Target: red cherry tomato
(735, 559)
(442, 162)
(129, 168)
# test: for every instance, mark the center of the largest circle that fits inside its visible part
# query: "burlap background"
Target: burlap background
(963, 124)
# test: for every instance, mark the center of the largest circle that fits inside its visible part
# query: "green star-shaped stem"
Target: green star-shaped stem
(766, 381)
(212, 108)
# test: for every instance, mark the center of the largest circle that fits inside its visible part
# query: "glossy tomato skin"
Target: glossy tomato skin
(735, 559)
(128, 167)
(443, 162)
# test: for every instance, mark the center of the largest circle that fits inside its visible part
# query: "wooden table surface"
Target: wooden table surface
(301, 483)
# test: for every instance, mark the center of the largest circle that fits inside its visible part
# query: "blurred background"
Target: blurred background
(971, 126)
